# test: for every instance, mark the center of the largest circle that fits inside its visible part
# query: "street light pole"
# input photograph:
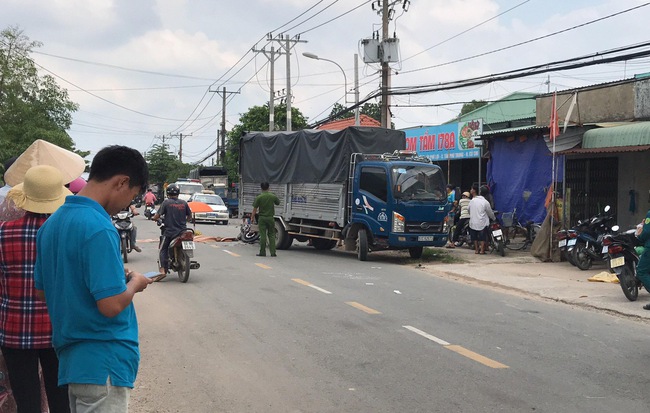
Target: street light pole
(345, 78)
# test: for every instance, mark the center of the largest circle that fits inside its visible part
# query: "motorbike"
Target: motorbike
(496, 237)
(180, 251)
(623, 259)
(589, 244)
(124, 226)
(566, 242)
(464, 235)
(248, 232)
(149, 211)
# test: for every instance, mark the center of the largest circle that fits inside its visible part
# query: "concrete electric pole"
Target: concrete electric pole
(385, 70)
(221, 141)
(272, 56)
(287, 44)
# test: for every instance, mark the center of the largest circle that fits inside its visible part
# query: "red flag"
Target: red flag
(554, 126)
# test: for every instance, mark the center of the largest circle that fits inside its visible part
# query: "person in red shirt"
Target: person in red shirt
(25, 328)
(149, 198)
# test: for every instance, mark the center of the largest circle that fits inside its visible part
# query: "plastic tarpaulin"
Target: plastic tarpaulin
(517, 168)
(310, 156)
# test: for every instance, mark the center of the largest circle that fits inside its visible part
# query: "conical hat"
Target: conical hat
(41, 152)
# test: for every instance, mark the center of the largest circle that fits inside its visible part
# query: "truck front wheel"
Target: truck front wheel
(416, 252)
(362, 245)
(282, 239)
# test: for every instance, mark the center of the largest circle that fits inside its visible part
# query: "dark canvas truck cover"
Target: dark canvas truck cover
(311, 156)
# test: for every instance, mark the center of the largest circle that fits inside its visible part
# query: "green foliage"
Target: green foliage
(471, 106)
(257, 119)
(31, 106)
(164, 166)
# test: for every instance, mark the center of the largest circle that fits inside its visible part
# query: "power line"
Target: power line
(526, 42)
(467, 30)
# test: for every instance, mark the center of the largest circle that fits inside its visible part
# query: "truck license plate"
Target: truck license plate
(561, 243)
(425, 238)
(617, 262)
(188, 245)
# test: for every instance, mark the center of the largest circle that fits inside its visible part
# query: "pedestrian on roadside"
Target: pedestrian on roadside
(463, 218)
(643, 267)
(265, 203)
(89, 294)
(8, 209)
(480, 214)
(25, 328)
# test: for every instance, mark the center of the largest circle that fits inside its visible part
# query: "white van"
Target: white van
(188, 188)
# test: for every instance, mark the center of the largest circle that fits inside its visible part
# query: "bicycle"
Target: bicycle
(518, 236)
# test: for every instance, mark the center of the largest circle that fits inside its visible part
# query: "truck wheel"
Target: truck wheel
(323, 244)
(282, 239)
(362, 245)
(416, 252)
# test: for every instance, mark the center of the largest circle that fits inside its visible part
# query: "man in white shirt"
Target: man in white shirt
(480, 214)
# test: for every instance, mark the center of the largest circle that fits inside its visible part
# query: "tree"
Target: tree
(257, 119)
(164, 166)
(31, 106)
(369, 109)
(471, 106)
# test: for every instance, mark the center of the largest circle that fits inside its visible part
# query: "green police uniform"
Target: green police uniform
(265, 204)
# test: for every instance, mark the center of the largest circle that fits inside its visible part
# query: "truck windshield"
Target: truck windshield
(418, 182)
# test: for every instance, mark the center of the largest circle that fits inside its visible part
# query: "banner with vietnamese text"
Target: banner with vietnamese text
(448, 141)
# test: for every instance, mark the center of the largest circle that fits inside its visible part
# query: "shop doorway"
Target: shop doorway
(593, 184)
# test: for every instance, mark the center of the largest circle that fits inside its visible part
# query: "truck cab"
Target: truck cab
(398, 202)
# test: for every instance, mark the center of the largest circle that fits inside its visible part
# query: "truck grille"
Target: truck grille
(423, 226)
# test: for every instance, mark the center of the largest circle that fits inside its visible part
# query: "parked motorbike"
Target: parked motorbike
(496, 237)
(464, 235)
(566, 242)
(149, 211)
(124, 226)
(589, 244)
(248, 232)
(181, 250)
(623, 259)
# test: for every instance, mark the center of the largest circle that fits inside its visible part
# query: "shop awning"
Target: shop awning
(636, 134)
(613, 149)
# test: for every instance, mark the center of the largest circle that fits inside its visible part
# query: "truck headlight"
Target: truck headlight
(399, 222)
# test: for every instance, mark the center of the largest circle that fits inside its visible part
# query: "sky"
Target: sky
(144, 69)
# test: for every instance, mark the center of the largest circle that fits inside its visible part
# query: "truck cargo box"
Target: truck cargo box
(310, 156)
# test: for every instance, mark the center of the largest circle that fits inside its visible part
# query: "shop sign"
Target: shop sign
(449, 141)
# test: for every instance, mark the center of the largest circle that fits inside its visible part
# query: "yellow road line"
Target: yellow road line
(266, 267)
(476, 357)
(458, 349)
(231, 253)
(362, 307)
(308, 284)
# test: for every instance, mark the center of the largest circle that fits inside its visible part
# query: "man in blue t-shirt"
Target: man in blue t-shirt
(89, 293)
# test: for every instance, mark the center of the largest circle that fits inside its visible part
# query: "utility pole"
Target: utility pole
(222, 145)
(180, 146)
(272, 56)
(385, 69)
(287, 44)
(356, 90)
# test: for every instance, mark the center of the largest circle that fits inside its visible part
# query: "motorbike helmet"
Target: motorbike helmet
(173, 190)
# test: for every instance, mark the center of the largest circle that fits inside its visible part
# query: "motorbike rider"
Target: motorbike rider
(134, 230)
(149, 198)
(463, 220)
(176, 214)
(643, 267)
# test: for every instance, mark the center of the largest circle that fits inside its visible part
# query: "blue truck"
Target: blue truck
(357, 185)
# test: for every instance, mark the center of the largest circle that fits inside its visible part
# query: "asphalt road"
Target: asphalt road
(319, 331)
